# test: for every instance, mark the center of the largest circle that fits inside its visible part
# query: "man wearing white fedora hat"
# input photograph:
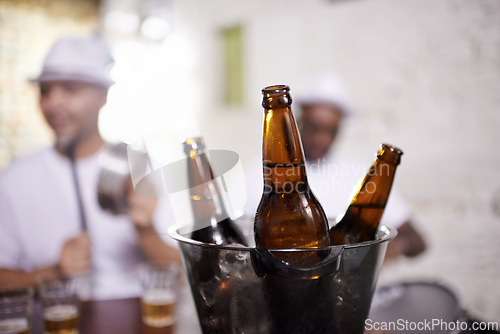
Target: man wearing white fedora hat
(41, 214)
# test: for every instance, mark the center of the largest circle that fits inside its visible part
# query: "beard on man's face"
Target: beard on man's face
(67, 139)
(66, 143)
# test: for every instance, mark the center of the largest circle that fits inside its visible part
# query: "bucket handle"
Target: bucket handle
(266, 263)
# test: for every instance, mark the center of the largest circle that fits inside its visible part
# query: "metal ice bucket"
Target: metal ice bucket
(240, 289)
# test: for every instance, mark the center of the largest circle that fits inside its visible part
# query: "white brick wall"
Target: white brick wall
(425, 76)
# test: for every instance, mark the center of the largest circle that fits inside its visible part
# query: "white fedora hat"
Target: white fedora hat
(77, 59)
(325, 88)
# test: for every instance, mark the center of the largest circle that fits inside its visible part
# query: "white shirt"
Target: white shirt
(333, 181)
(39, 213)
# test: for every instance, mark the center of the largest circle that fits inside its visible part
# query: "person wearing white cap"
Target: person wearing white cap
(323, 103)
(320, 106)
(49, 226)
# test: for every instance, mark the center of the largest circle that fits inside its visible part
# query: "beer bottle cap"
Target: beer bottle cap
(194, 144)
(277, 96)
(395, 153)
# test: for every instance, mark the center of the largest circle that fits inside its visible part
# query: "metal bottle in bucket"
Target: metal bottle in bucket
(113, 178)
(253, 291)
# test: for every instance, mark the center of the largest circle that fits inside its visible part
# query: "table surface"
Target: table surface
(124, 316)
(107, 317)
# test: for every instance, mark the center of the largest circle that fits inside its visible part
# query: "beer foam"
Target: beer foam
(158, 297)
(60, 312)
(13, 326)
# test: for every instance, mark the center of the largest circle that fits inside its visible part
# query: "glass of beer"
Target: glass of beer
(15, 310)
(60, 305)
(159, 296)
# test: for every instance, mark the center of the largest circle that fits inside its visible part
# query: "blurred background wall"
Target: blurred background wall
(424, 75)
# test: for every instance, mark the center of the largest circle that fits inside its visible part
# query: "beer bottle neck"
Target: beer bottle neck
(281, 143)
(282, 155)
(360, 221)
(376, 186)
(206, 199)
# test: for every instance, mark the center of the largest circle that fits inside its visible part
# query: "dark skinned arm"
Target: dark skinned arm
(408, 243)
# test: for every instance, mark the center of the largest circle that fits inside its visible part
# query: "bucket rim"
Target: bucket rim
(388, 233)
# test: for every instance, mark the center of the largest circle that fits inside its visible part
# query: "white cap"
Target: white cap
(325, 88)
(78, 59)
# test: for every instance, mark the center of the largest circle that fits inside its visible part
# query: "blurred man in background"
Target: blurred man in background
(324, 103)
(321, 105)
(41, 207)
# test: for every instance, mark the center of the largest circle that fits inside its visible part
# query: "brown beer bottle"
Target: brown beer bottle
(212, 222)
(289, 215)
(361, 219)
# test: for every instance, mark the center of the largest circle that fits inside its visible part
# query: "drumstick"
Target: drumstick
(81, 211)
